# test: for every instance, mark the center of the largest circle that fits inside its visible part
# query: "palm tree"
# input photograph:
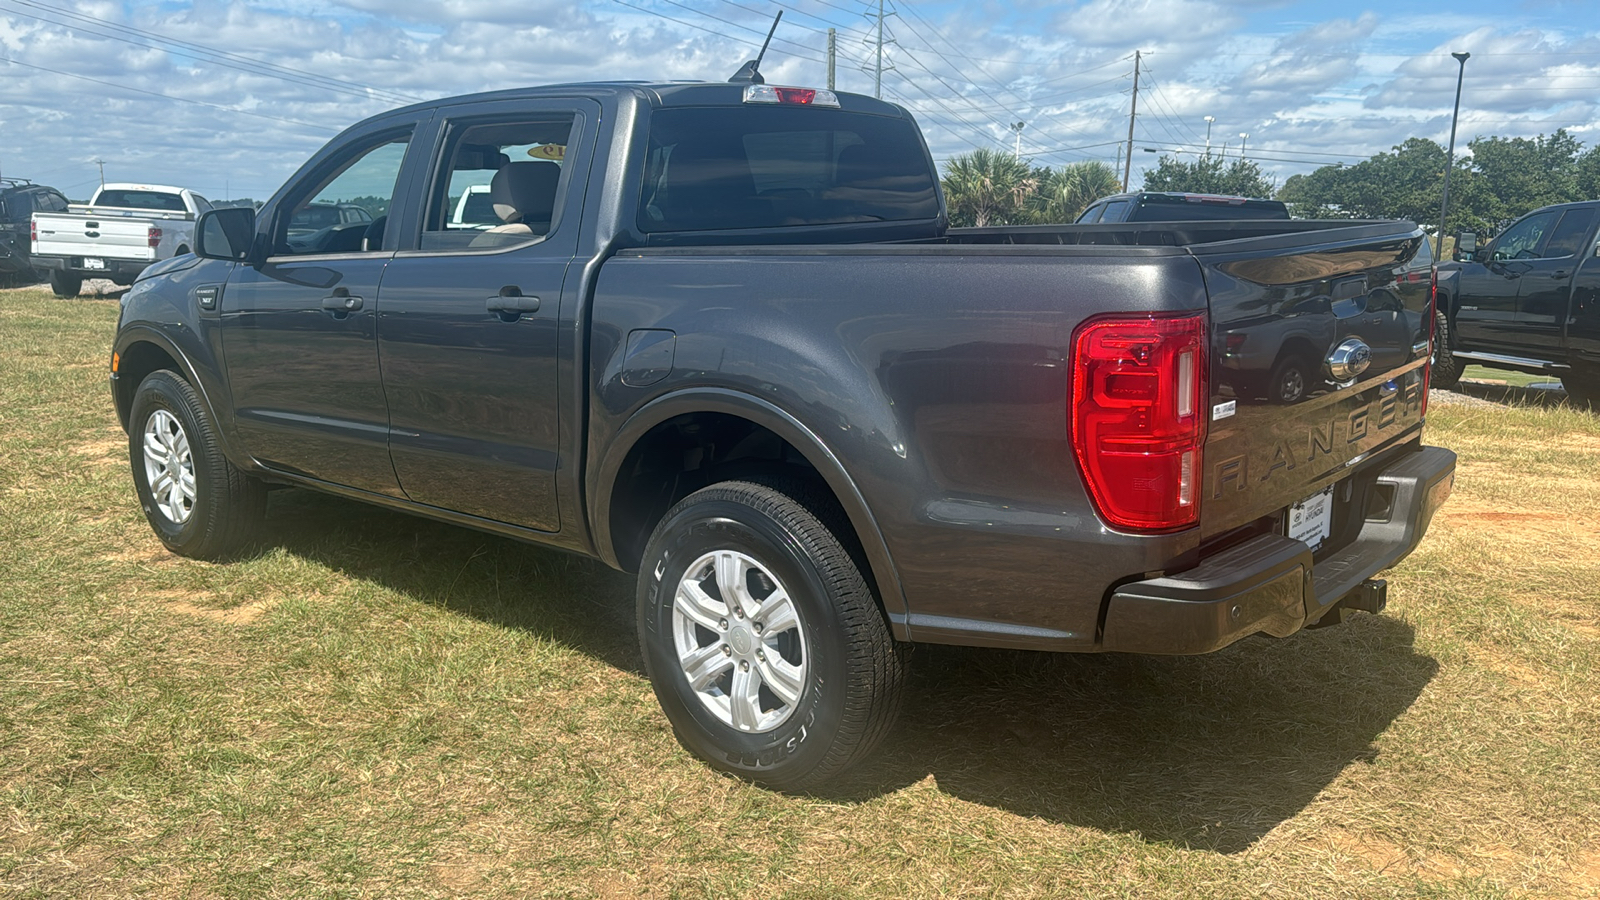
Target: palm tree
(988, 188)
(1064, 193)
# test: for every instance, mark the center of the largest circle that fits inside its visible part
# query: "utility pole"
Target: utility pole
(1450, 156)
(102, 164)
(877, 75)
(831, 58)
(1209, 120)
(1243, 137)
(1016, 129)
(1133, 113)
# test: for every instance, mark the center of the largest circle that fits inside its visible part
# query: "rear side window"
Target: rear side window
(1116, 212)
(1091, 215)
(748, 167)
(155, 200)
(1569, 235)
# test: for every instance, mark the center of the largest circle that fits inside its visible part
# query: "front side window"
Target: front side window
(501, 185)
(367, 179)
(1521, 241)
(771, 167)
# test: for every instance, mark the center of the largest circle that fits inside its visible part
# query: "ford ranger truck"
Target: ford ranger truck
(1529, 301)
(123, 229)
(722, 336)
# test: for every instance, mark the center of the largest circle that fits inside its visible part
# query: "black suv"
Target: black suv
(19, 200)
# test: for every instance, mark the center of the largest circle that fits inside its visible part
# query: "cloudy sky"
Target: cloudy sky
(229, 98)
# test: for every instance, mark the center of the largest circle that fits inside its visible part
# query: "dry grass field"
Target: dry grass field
(373, 705)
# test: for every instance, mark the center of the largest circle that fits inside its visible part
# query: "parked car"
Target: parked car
(120, 232)
(19, 200)
(1172, 206)
(728, 342)
(1529, 301)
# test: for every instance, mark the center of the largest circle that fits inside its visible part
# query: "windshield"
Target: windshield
(746, 167)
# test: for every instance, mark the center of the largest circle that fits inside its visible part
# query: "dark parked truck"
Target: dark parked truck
(722, 337)
(1529, 301)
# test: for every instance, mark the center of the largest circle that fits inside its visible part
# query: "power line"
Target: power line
(201, 52)
(124, 87)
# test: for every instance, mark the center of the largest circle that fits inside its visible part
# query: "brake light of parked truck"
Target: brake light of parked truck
(1136, 424)
(154, 236)
(794, 96)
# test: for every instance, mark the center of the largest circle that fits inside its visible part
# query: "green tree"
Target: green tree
(1404, 183)
(1208, 174)
(1525, 173)
(1586, 175)
(1065, 192)
(988, 188)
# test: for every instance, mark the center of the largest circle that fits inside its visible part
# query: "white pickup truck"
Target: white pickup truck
(123, 230)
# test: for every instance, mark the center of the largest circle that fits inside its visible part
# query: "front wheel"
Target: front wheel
(197, 502)
(761, 638)
(66, 285)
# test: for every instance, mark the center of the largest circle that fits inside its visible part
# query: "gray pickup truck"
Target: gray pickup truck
(722, 336)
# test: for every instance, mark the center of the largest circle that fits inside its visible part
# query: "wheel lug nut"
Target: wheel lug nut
(757, 626)
(723, 624)
(761, 655)
(726, 650)
(739, 613)
(744, 665)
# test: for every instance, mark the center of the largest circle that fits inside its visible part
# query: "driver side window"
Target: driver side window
(1521, 241)
(348, 210)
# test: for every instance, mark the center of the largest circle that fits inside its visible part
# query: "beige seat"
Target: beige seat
(524, 197)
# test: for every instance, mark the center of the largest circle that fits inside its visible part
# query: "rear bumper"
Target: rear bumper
(122, 271)
(1269, 584)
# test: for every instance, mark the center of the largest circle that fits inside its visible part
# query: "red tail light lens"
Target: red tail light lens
(1137, 421)
(155, 236)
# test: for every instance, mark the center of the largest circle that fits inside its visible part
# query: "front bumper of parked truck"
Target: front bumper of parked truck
(1269, 583)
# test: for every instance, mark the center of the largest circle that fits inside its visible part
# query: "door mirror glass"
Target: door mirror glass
(1466, 245)
(225, 233)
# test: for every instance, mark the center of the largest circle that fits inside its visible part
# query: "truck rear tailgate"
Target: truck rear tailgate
(1317, 366)
(96, 237)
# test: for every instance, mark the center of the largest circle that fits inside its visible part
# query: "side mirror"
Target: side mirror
(1466, 245)
(225, 233)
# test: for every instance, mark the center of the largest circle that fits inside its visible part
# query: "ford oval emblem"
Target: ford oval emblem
(1349, 360)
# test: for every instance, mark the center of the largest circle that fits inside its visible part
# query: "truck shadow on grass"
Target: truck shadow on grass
(1208, 752)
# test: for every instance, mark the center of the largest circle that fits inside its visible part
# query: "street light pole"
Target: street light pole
(1209, 120)
(1450, 155)
(1243, 136)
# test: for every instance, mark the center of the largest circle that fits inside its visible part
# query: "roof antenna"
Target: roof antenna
(747, 73)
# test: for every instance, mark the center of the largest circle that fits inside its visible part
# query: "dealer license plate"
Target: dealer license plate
(90, 263)
(1311, 519)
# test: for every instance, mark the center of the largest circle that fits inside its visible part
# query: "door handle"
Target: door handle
(341, 304)
(1559, 275)
(510, 305)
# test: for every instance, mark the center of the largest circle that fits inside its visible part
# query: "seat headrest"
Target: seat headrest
(525, 191)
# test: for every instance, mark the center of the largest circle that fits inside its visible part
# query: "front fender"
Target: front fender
(603, 477)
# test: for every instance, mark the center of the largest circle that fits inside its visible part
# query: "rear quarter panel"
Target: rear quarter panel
(938, 379)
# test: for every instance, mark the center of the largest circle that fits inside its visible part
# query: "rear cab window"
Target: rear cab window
(159, 201)
(742, 167)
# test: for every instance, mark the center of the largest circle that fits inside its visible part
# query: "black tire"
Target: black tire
(1446, 369)
(227, 505)
(1291, 381)
(850, 685)
(66, 285)
(1583, 389)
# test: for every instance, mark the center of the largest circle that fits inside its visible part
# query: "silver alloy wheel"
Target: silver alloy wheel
(740, 641)
(169, 466)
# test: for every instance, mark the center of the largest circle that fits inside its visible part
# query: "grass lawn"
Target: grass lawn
(379, 706)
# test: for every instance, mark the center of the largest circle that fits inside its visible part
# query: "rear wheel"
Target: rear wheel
(1583, 389)
(761, 638)
(1446, 369)
(1290, 381)
(66, 285)
(197, 502)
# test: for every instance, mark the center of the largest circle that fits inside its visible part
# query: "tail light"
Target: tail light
(155, 237)
(1137, 422)
(33, 231)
